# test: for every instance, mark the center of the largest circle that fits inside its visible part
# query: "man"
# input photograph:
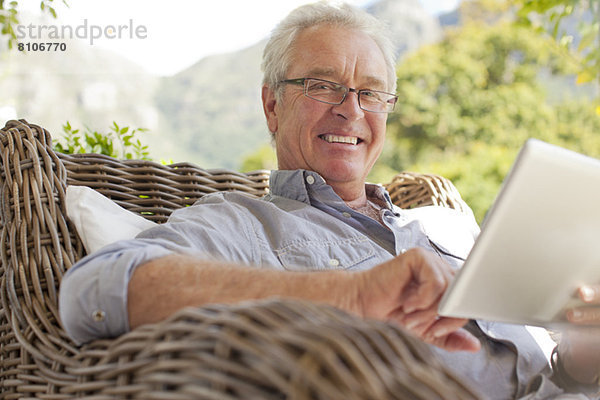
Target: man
(321, 234)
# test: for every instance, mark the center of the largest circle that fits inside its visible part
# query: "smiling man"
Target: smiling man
(336, 135)
(322, 234)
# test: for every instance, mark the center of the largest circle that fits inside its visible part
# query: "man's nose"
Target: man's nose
(350, 107)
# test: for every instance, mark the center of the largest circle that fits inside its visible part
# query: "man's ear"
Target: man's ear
(269, 101)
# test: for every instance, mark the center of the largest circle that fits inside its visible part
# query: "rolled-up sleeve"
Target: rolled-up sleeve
(93, 293)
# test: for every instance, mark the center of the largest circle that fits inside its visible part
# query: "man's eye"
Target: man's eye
(325, 86)
(369, 93)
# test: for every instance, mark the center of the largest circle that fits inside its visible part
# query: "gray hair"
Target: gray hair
(277, 53)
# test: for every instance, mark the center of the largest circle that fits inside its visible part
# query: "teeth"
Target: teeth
(340, 139)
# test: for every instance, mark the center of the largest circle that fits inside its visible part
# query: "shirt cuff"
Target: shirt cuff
(93, 293)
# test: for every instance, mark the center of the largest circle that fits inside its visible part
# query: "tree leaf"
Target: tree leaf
(584, 77)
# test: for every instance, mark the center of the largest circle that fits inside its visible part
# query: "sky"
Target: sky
(166, 37)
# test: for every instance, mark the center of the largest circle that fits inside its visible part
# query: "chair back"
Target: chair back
(155, 190)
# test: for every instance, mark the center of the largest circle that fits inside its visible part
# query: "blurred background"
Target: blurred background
(180, 81)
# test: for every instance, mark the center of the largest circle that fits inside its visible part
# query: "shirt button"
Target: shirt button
(310, 179)
(334, 262)
(98, 315)
(346, 214)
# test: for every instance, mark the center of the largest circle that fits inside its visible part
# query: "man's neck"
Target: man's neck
(357, 203)
(354, 195)
(357, 198)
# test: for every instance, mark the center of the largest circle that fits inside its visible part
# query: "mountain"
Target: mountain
(451, 18)
(409, 24)
(211, 112)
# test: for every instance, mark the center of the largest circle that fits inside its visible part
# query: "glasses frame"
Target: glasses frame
(303, 82)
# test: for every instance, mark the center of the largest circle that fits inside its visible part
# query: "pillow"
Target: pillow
(99, 220)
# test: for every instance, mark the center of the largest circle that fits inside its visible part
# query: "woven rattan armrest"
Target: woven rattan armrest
(271, 349)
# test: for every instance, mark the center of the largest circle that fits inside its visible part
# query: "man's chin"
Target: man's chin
(342, 172)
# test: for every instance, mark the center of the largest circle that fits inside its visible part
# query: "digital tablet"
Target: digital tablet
(539, 242)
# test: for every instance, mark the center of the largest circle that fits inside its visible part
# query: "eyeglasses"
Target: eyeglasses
(335, 93)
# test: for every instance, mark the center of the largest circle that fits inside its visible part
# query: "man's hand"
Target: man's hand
(579, 348)
(408, 289)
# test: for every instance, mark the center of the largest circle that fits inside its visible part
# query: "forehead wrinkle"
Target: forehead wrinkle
(322, 73)
(376, 83)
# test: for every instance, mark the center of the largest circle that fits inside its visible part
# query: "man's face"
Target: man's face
(309, 133)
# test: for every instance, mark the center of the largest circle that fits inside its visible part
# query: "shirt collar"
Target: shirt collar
(301, 185)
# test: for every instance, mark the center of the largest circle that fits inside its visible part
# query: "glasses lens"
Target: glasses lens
(328, 92)
(334, 93)
(375, 101)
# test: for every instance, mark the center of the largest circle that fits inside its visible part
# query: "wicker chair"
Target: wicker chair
(271, 349)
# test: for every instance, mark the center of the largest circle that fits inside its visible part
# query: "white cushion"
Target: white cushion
(99, 220)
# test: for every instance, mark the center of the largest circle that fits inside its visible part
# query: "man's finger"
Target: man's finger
(590, 294)
(584, 315)
(416, 322)
(419, 322)
(459, 340)
(445, 326)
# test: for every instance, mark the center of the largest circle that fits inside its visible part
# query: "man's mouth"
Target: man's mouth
(340, 139)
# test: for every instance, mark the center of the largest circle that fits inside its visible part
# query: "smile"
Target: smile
(340, 139)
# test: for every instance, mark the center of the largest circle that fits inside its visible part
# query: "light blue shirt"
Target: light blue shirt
(302, 225)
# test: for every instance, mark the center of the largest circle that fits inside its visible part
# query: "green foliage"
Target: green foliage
(477, 84)
(263, 158)
(476, 174)
(468, 103)
(119, 142)
(550, 15)
(9, 17)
